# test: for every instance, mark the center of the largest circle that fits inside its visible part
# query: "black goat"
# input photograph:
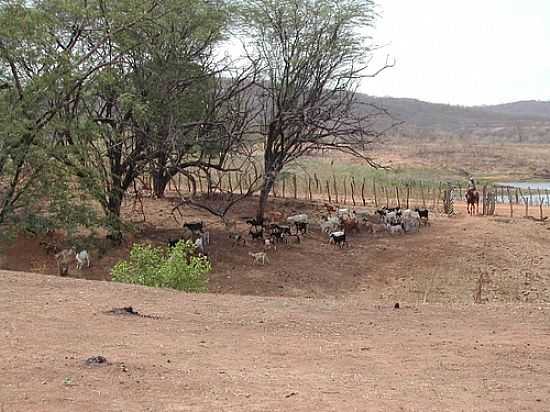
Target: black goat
(115, 238)
(173, 242)
(338, 238)
(257, 232)
(194, 226)
(301, 227)
(254, 222)
(424, 214)
(279, 233)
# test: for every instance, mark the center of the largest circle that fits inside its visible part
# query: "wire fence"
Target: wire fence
(349, 190)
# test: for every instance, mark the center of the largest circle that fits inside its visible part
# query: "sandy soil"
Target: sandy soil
(211, 352)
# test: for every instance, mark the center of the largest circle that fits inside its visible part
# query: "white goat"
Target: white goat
(205, 236)
(303, 218)
(376, 227)
(343, 213)
(259, 257)
(82, 257)
(200, 244)
(332, 224)
(394, 229)
(63, 260)
(411, 224)
(269, 244)
(362, 215)
(410, 220)
(410, 213)
(391, 218)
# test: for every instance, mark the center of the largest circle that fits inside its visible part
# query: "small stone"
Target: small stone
(96, 360)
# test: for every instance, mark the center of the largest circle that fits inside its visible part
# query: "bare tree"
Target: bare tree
(310, 56)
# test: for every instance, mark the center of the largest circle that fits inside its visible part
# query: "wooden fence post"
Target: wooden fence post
(345, 191)
(208, 185)
(200, 182)
(363, 192)
(511, 203)
(397, 196)
(484, 198)
(230, 184)
(335, 190)
(352, 185)
(422, 194)
(317, 185)
(374, 191)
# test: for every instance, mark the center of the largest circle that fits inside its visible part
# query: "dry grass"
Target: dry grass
(493, 162)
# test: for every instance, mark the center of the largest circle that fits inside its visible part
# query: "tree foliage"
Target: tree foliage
(95, 94)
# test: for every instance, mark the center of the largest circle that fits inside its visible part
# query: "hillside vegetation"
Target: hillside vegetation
(517, 122)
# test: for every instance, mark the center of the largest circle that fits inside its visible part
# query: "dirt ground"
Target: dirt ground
(211, 352)
(443, 263)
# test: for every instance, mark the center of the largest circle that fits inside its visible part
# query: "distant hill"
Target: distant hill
(525, 121)
(527, 108)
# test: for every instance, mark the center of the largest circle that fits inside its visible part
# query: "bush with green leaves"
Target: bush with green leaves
(177, 268)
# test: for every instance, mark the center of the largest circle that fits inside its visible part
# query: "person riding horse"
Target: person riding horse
(472, 197)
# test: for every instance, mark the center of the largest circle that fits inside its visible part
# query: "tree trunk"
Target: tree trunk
(160, 181)
(112, 212)
(264, 195)
(269, 180)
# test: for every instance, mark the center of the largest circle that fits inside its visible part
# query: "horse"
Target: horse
(472, 201)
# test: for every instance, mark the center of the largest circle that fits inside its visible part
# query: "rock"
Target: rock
(96, 361)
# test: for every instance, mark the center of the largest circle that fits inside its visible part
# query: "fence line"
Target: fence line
(346, 190)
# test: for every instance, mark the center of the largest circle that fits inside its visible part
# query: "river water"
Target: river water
(535, 192)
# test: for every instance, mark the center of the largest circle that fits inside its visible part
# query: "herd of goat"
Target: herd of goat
(338, 224)
(277, 229)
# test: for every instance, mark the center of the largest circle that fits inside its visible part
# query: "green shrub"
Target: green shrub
(176, 268)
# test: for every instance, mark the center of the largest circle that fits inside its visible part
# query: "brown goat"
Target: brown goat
(350, 225)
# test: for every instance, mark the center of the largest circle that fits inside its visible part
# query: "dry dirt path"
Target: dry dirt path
(233, 353)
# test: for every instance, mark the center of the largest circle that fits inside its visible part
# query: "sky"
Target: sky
(467, 52)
